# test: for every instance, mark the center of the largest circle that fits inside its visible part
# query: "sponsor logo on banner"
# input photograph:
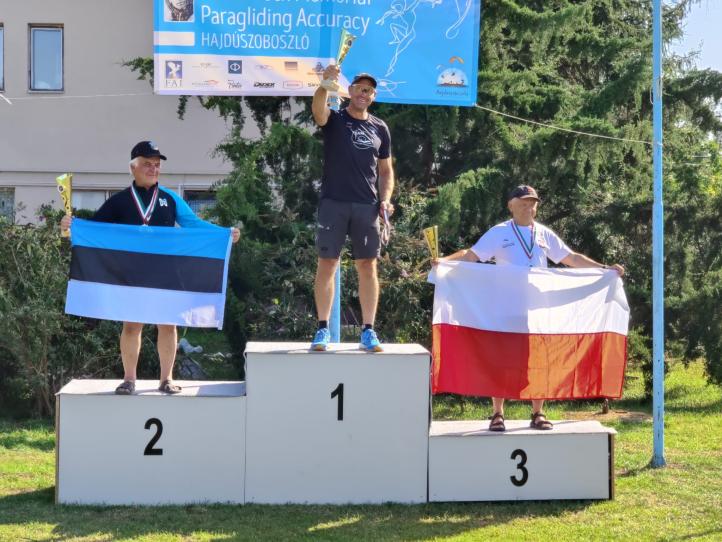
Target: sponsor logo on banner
(290, 66)
(263, 67)
(205, 65)
(292, 85)
(317, 69)
(234, 84)
(173, 73)
(208, 83)
(313, 85)
(453, 76)
(235, 66)
(264, 84)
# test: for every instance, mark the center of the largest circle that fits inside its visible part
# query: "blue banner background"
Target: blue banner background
(421, 51)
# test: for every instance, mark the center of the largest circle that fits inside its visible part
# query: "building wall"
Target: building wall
(82, 129)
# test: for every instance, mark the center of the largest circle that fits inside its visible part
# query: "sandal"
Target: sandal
(126, 388)
(167, 386)
(497, 422)
(539, 421)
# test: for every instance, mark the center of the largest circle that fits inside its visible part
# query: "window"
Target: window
(90, 200)
(46, 58)
(199, 200)
(2, 57)
(7, 204)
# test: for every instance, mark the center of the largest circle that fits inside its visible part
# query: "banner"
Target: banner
(149, 274)
(420, 51)
(528, 333)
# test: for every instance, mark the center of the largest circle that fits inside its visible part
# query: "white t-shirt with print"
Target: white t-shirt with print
(502, 245)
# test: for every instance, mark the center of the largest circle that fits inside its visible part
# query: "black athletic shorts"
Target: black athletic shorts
(337, 219)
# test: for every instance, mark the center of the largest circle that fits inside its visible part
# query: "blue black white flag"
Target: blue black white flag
(149, 274)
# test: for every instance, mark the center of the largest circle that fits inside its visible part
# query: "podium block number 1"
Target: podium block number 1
(338, 392)
(149, 448)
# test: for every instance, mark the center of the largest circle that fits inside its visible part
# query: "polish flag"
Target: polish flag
(528, 332)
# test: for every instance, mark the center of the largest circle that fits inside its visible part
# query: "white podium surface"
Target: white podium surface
(467, 462)
(150, 448)
(341, 426)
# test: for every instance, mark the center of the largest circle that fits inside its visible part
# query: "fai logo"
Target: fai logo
(173, 73)
(235, 67)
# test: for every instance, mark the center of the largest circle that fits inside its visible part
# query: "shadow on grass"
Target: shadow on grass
(39, 435)
(290, 522)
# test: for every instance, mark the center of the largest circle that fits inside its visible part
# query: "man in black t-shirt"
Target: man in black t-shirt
(356, 188)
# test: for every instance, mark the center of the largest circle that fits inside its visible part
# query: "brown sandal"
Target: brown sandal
(126, 388)
(539, 421)
(167, 386)
(497, 422)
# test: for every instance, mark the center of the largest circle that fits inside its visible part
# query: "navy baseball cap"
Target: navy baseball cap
(523, 191)
(367, 76)
(146, 149)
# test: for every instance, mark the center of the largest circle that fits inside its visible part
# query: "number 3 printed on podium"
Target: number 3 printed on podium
(520, 466)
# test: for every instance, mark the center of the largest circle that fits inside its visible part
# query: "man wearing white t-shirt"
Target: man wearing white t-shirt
(522, 241)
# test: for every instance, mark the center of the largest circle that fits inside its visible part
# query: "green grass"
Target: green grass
(680, 502)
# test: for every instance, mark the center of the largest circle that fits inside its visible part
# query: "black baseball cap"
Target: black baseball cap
(364, 75)
(146, 149)
(523, 191)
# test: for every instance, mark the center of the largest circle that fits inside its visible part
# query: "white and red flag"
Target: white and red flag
(528, 332)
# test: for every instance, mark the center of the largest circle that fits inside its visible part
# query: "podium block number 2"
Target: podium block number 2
(149, 448)
(521, 454)
(338, 392)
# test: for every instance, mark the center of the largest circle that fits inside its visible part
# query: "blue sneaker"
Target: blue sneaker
(321, 340)
(369, 341)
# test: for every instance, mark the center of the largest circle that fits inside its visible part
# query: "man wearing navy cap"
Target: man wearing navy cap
(523, 241)
(147, 203)
(356, 188)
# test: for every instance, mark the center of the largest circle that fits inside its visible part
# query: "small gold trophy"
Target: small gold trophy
(65, 187)
(432, 240)
(344, 47)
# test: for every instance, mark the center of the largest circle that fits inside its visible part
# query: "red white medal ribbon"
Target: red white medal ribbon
(528, 249)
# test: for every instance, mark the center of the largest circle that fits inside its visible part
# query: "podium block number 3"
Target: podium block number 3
(149, 448)
(521, 454)
(338, 392)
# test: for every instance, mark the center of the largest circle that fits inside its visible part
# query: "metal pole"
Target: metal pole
(334, 323)
(657, 245)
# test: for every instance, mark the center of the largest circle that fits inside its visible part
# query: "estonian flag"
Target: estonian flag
(149, 274)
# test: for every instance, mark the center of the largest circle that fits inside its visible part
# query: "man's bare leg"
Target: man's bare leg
(130, 349)
(323, 287)
(368, 289)
(167, 344)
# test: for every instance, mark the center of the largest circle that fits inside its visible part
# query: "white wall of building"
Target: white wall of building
(82, 129)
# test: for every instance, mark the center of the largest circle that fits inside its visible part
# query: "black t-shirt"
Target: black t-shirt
(351, 153)
(169, 210)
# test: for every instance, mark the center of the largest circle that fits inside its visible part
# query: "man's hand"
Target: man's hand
(618, 268)
(332, 72)
(65, 222)
(235, 235)
(387, 206)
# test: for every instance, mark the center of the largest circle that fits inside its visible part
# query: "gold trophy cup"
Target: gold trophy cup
(432, 240)
(65, 187)
(344, 47)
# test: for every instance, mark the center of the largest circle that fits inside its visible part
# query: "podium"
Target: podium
(150, 448)
(467, 462)
(341, 426)
(335, 427)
